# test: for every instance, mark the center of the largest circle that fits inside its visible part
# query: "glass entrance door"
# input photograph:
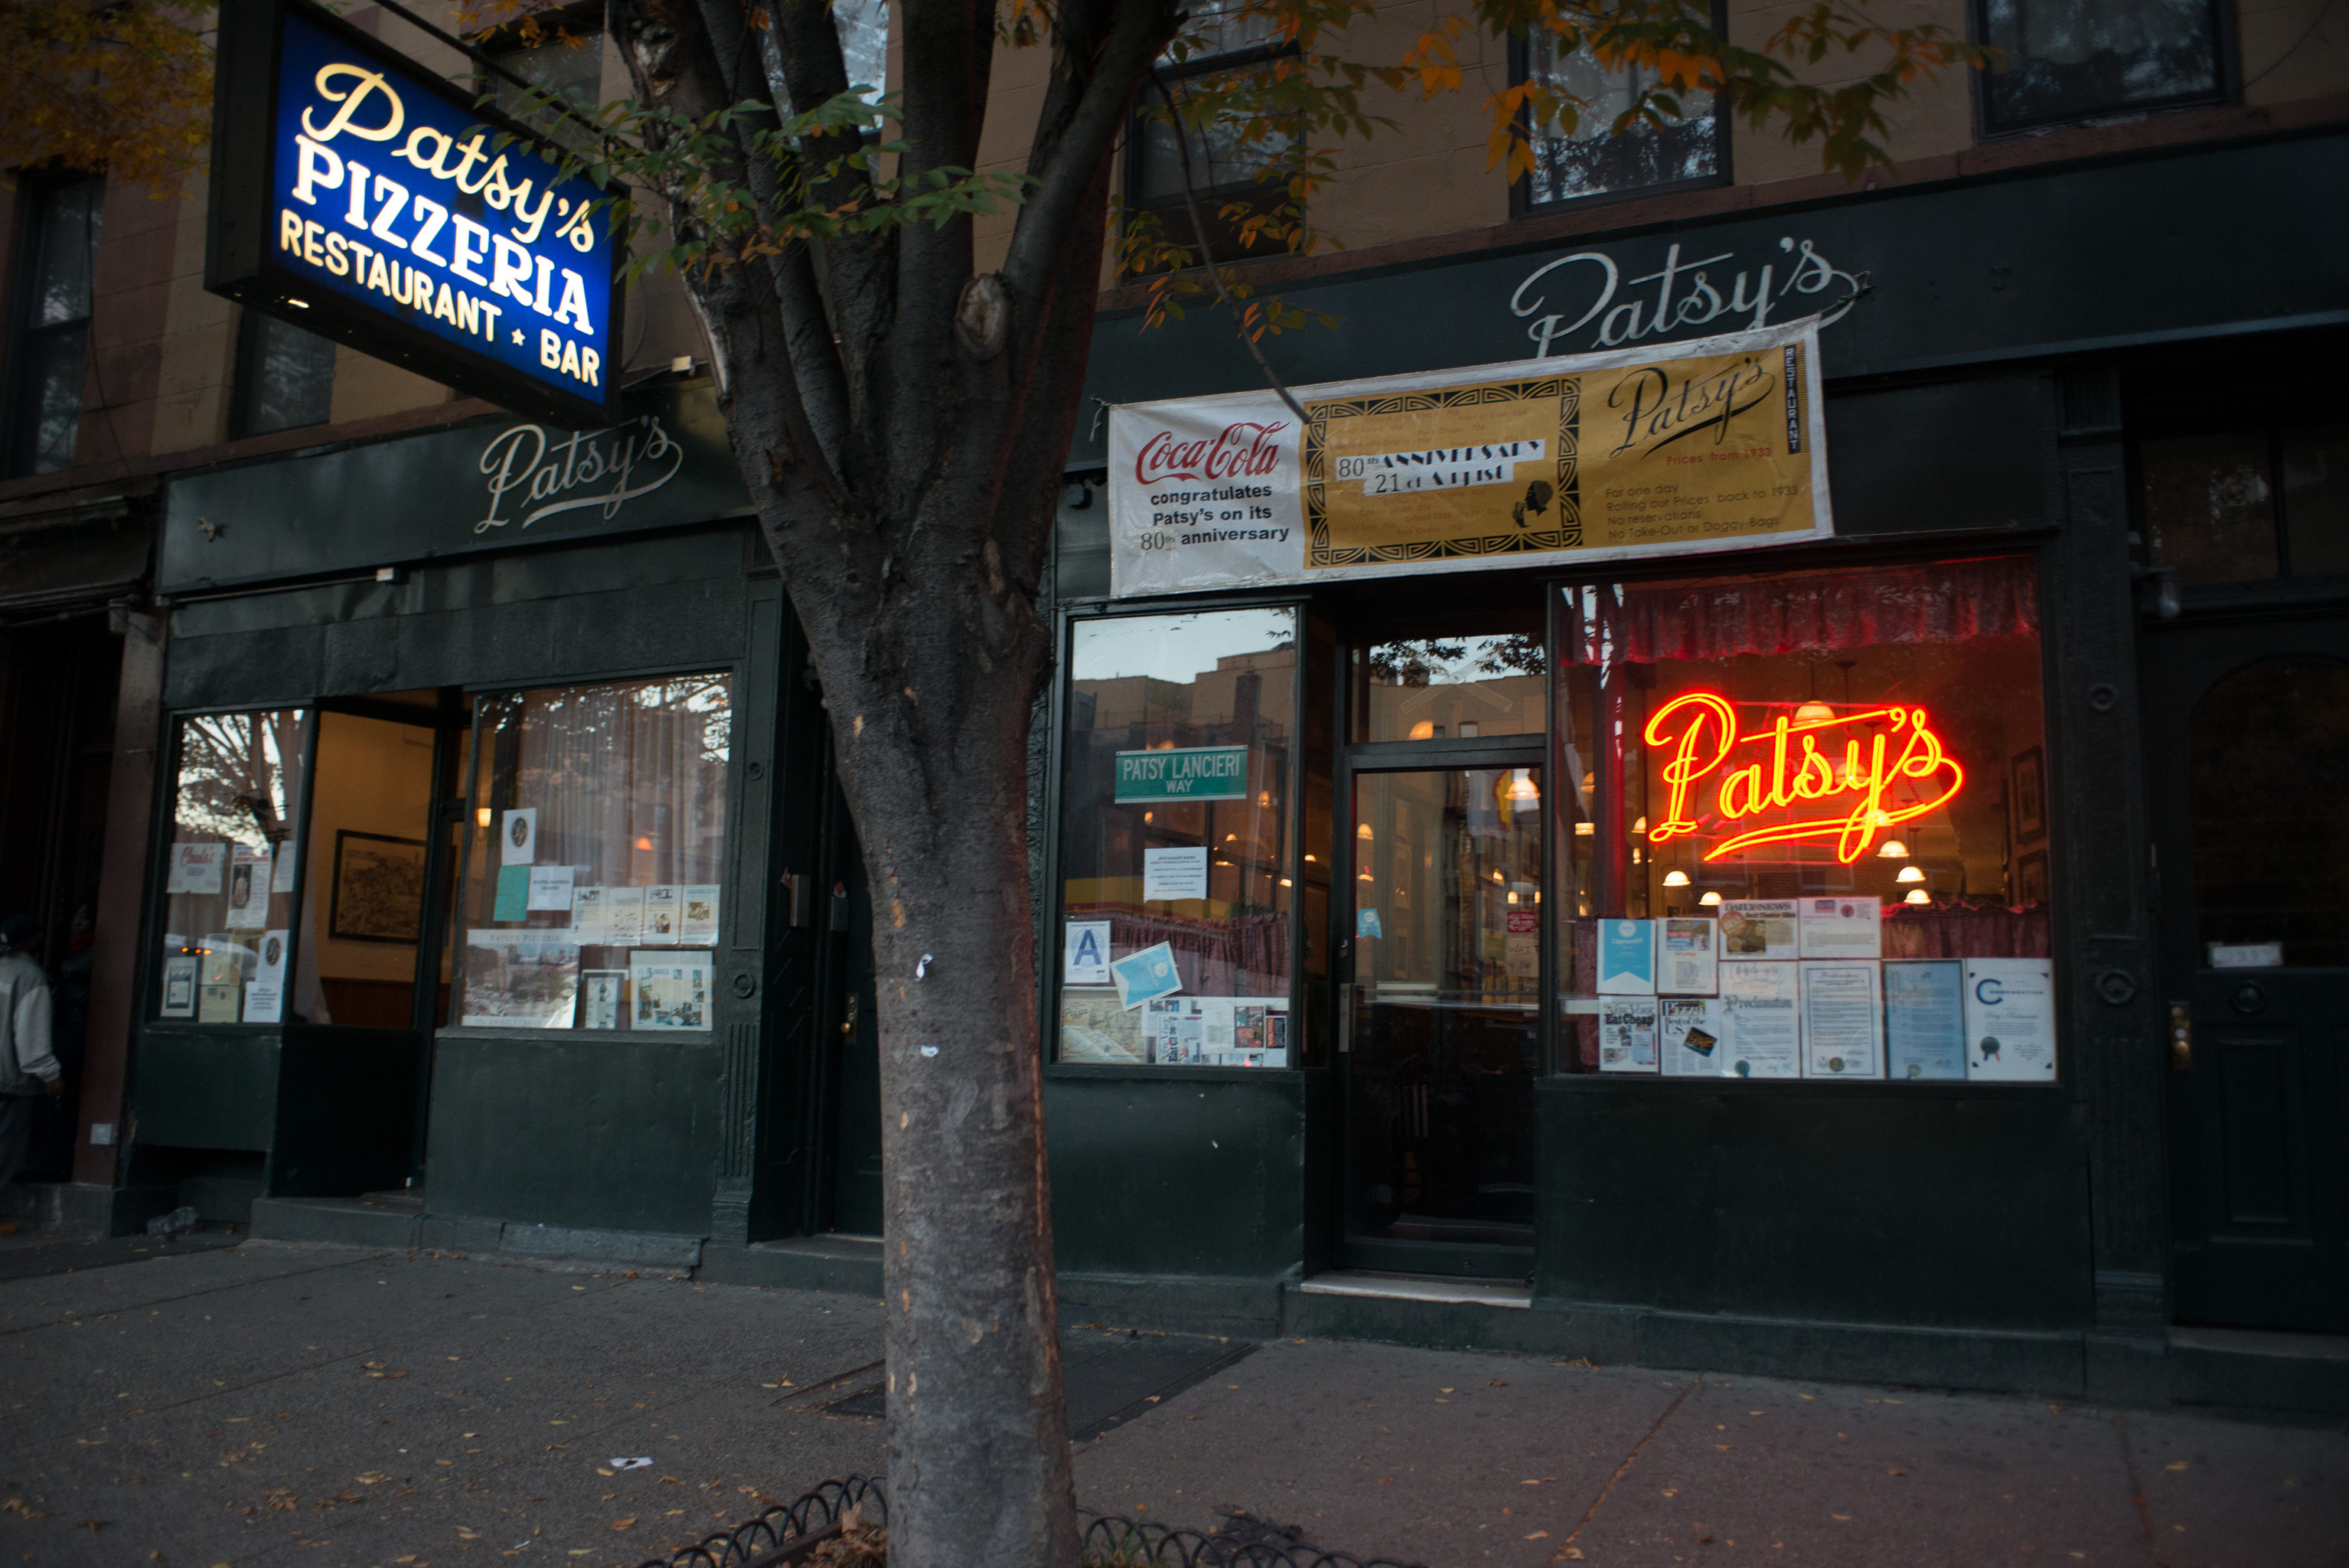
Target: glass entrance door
(1441, 1027)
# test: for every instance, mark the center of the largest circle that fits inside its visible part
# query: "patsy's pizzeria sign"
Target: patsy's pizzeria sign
(1708, 446)
(361, 196)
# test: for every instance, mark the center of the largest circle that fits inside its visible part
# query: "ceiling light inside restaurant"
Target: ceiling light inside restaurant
(1423, 731)
(1364, 831)
(1919, 896)
(1814, 713)
(1892, 850)
(1710, 899)
(1910, 874)
(1675, 878)
(483, 816)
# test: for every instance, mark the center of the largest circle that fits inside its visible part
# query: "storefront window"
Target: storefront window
(592, 876)
(228, 889)
(1450, 687)
(1177, 865)
(1806, 834)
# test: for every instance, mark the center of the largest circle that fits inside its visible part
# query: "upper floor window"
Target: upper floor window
(1589, 158)
(284, 377)
(2071, 60)
(52, 321)
(1233, 165)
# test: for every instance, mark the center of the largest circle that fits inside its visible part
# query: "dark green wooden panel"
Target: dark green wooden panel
(579, 1129)
(1177, 1175)
(206, 1088)
(345, 1111)
(1862, 1208)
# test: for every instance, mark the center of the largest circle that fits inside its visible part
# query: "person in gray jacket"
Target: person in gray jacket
(28, 1069)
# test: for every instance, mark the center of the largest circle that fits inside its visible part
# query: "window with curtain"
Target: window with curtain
(2074, 59)
(1586, 158)
(57, 265)
(230, 873)
(595, 871)
(1803, 825)
(1178, 870)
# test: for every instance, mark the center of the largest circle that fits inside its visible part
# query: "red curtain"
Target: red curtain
(1946, 601)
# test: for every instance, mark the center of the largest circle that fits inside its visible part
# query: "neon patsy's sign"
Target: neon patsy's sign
(1891, 768)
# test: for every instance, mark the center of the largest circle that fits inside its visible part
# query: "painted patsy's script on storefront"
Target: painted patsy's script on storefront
(544, 467)
(1562, 297)
(1708, 446)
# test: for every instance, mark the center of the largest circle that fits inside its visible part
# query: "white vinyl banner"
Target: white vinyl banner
(1699, 446)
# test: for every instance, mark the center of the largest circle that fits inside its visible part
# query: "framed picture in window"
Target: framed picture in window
(2031, 880)
(379, 891)
(2027, 789)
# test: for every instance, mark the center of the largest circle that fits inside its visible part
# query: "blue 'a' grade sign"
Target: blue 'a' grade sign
(362, 196)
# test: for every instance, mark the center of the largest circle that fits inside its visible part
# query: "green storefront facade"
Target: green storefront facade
(1395, 1090)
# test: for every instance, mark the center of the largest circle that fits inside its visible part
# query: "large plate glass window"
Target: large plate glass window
(1176, 863)
(230, 872)
(592, 883)
(2070, 60)
(1803, 826)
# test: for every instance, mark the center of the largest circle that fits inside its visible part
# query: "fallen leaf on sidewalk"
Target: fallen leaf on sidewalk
(624, 1524)
(1538, 1535)
(2176, 1465)
(1845, 1517)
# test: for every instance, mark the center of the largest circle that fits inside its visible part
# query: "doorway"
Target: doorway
(372, 965)
(1441, 1036)
(2246, 750)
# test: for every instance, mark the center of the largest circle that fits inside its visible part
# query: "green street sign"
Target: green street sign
(1189, 773)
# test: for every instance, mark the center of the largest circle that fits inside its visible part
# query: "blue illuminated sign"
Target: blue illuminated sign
(404, 219)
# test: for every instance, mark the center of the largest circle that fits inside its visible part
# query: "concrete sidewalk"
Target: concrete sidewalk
(316, 1406)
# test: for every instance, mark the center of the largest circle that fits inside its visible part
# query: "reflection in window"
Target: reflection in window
(52, 323)
(2067, 59)
(1591, 158)
(1448, 688)
(284, 378)
(593, 876)
(2240, 505)
(230, 873)
(2265, 751)
(1780, 771)
(1176, 869)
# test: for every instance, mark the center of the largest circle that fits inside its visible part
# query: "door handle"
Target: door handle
(2181, 1037)
(848, 1025)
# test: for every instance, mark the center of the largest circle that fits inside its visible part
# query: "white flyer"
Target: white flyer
(1847, 927)
(264, 1004)
(1758, 929)
(588, 909)
(699, 928)
(664, 914)
(601, 991)
(672, 990)
(1173, 874)
(197, 868)
(1687, 958)
(1626, 1035)
(179, 986)
(269, 965)
(550, 886)
(1842, 1019)
(1692, 1037)
(623, 917)
(2011, 1020)
(248, 888)
(281, 879)
(1760, 1015)
(1084, 953)
(518, 836)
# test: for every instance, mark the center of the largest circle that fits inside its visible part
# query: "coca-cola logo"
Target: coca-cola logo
(1239, 450)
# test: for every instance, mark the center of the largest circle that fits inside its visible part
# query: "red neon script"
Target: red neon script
(1698, 735)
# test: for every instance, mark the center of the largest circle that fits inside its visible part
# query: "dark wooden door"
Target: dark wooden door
(2248, 747)
(856, 1074)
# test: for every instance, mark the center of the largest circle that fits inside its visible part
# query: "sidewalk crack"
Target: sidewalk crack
(1566, 1550)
